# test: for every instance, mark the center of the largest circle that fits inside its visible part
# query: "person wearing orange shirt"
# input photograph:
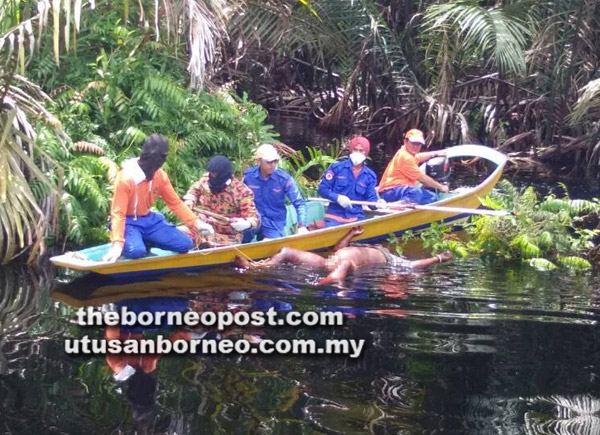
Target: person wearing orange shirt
(398, 182)
(138, 184)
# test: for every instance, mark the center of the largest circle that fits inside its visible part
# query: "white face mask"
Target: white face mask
(357, 158)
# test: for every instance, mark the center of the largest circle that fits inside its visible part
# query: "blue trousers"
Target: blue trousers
(409, 193)
(249, 234)
(156, 231)
(270, 231)
(270, 228)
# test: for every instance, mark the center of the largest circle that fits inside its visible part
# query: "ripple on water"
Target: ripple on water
(458, 346)
(397, 391)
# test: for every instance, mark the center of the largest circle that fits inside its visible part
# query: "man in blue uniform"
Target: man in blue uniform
(349, 180)
(270, 186)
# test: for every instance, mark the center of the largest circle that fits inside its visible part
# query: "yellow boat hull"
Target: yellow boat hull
(375, 228)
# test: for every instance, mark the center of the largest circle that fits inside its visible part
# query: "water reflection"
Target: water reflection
(564, 415)
(467, 347)
(139, 376)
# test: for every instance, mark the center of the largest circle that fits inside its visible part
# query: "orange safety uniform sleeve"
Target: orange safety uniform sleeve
(168, 194)
(118, 210)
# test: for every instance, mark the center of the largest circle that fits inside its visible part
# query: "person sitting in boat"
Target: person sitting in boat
(398, 182)
(139, 182)
(271, 185)
(349, 180)
(225, 202)
(346, 259)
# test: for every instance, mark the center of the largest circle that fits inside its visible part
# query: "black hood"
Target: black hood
(141, 388)
(220, 171)
(154, 154)
(141, 392)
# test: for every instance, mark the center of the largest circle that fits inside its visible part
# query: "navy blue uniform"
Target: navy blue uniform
(269, 197)
(339, 180)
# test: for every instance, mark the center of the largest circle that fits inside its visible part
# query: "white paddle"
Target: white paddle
(400, 206)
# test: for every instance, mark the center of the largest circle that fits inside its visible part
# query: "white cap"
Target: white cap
(267, 152)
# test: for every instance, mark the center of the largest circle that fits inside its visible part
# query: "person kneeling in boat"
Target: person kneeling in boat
(346, 259)
(349, 180)
(139, 182)
(271, 185)
(224, 201)
(398, 182)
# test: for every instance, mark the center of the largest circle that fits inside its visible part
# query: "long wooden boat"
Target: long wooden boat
(376, 228)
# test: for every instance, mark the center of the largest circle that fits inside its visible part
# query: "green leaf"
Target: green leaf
(546, 239)
(526, 246)
(541, 264)
(575, 263)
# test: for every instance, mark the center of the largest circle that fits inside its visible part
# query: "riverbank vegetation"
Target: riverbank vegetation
(100, 105)
(546, 233)
(83, 84)
(518, 75)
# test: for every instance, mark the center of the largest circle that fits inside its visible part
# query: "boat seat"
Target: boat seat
(96, 253)
(315, 211)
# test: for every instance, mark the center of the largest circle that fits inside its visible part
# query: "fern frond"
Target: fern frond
(555, 205)
(541, 264)
(575, 263)
(110, 166)
(546, 240)
(132, 136)
(580, 206)
(167, 89)
(526, 246)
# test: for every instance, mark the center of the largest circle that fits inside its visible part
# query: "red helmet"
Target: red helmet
(359, 140)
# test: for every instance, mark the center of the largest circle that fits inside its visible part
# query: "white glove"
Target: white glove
(113, 254)
(381, 203)
(240, 224)
(344, 201)
(302, 230)
(203, 226)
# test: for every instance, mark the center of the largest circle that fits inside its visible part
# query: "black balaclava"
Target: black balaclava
(154, 154)
(141, 392)
(220, 172)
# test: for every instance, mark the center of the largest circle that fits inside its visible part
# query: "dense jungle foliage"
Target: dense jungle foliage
(83, 84)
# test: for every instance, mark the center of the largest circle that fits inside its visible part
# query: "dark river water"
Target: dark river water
(468, 346)
(465, 347)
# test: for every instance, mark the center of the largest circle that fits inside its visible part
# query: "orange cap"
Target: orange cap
(415, 136)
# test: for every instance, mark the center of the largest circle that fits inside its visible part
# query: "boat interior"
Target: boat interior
(315, 213)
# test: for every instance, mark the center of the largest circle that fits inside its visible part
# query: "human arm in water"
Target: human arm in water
(345, 241)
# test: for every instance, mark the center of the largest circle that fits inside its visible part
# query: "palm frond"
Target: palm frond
(588, 103)
(23, 222)
(489, 32)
